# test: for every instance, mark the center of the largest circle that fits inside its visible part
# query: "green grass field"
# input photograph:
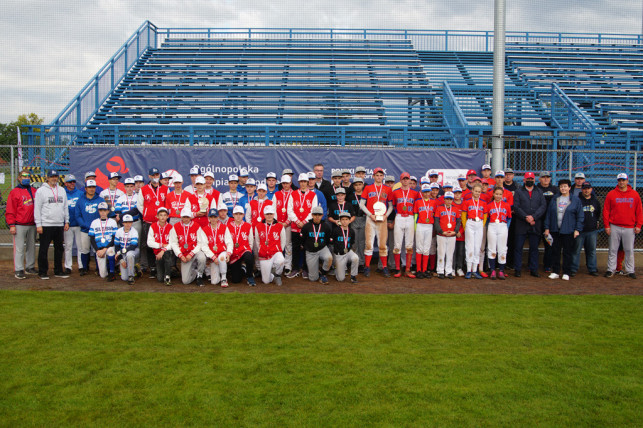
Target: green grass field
(114, 359)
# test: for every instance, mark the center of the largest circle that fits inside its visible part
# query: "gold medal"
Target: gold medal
(449, 225)
(316, 244)
(497, 221)
(283, 210)
(236, 245)
(215, 248)
(301, 210)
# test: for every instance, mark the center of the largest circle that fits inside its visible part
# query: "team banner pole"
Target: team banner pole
(19, 148)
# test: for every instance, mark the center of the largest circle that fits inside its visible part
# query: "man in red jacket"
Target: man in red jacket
(20, 219)
(622, 219)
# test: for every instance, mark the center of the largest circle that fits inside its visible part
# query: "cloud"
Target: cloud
(52, 49)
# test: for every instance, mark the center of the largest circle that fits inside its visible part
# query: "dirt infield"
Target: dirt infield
(375, 284)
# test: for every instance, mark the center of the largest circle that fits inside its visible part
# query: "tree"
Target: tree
(8, 134)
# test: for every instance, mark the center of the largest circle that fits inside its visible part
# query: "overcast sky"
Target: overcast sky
(50, 49)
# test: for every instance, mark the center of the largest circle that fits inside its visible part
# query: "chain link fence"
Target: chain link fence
(599, 167)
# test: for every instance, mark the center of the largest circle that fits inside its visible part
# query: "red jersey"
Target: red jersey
(161, 236)
(374, 193)
(280, 199)
(404, 201)
(216, 238)
(240, 238)
(153, 199)
(500, 211)
(302, 204)
(269, 237)
(256, 210)
(201, 201)
(447, 217)
(186, 236)
(425, 210)
(466, 194)
(175, 203)
(474, 209)
(486, 197)
(507, 196)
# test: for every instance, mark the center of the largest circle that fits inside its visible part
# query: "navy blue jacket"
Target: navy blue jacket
(573, 218)
(535, 206)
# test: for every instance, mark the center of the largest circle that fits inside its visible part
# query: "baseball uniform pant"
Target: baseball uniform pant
(104, 263)
(446, 247)
(288, 249)
(142, 256)
(423, 238)
(617, 236)
(219, 269)
(72, 236)
(403, 231)
(342, 260)
(55, 234)
(275, 265)
(127, 264)
(195, 267)
(483, 245)
(359, 226)
(472, 243)
(164, 265)
(377, 230)
(24, 248)
(312, 260)
(497, 234)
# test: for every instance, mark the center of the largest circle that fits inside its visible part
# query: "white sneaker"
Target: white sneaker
(554, 276)
(565, 277)
(460, 272)
(224, 283)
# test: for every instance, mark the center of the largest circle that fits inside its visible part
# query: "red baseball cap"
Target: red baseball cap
(471, 172)
(405, 175)
(476, 178)
(530, 175)
(376, 170)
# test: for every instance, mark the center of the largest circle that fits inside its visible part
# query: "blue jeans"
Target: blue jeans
(585, 240)
(533, 251)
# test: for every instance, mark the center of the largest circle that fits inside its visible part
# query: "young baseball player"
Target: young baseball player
(280, 201)
(376, 195)
(338, 206)
(158, 240)
(299, 210)
(424, 210)
(242, 260)
(183, 239)
(112, 194)
(250, 188)
(101, 235)
(204, 202)
(271, 185)
(404, 202)
(359, 224)
(243, 179)
(473, 218)
(342, 240)
(232, 197)
(271, 238)
(138, 183)
(447, 225)
(72, 235)
(255, 208)
(126, 247)
(177, 199)
(315, 237)
(499, 215)
(459, 263)
(150, 198)
(194, 173)
(215, 241)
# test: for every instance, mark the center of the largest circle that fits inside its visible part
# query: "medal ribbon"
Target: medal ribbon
(103, 229)
(476, 206)
(316, 233)
(237, 232)
(125, 239)
(185, 233)
(215, 233)
(497, 210)
(345, 237)
(55, 194)
(112, 198)
(449, 213)
(162, 233)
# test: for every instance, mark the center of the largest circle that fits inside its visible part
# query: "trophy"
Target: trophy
(203, 204)
(379, 209)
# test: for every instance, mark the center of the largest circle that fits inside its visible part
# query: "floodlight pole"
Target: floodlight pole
(497, 126)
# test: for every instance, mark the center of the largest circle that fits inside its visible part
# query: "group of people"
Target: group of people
(309, 226)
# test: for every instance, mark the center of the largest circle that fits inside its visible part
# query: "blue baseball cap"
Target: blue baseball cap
(52, 173)
(154, 171)
(213, 213)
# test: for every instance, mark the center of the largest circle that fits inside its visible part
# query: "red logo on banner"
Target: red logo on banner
(115, 164)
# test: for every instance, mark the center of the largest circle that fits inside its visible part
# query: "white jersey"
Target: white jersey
(111, 196)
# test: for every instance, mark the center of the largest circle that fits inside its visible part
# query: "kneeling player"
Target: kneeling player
(158, 239)
(183, 239)
(101, 235)
(271, 238)
(216, 244)
(315, 236)
(126, 243)
(343, 239)
(242, 260)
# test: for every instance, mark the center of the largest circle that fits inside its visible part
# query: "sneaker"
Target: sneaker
(61, 275)
(83, 272)
(287, 272)
(460, 272)
(609, 274)
(292, 274)
(304, 274)
(353, 280)
(137, 270)
(517, 274)
(483, 274)
(534, 274)
(251, 281)
(450, 276)
(441, 276)
(632, 275)
(428, 274)
(31, 271)
(493, 275)
(110, 277)
(565, 278)
(553, 276)
(199, 281)
(224, 283)
(19, 275)
(44, 276)
(501, 275)
(153, 273)
(67, 271)
(367, 272)
(398, 274)
(573, 274)
(168, 280)
(419, 275)
(409, 274)
(130, 280)
(620, 272)
(323, 279)
(467, 275)
(477, 275)
(386, 273)
(277, 280)
(593, 273)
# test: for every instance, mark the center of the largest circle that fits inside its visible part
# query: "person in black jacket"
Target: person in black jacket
(587, 238)
(529, 208)
(321, 184)
(339, 205)
(315, 237)
(549, 191)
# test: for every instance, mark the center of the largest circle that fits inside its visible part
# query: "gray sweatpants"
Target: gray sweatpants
(194, 267)
(312, 261)
(130, 261)
(342, 260)
(626, 236)
(24, 248)
(359, 226)
(72, 236)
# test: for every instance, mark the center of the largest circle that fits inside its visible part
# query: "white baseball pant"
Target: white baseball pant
(372, 230)
(313, 259)
(127, 264)
(403, 231)
(274, 264)
(446, 247)
(472, 243)
(218, 270)
(288, 249)
(72, 235)
(102, 262)
(194, 267)
(342, 260)
(483, 245)
(423, 238)
(497, 239)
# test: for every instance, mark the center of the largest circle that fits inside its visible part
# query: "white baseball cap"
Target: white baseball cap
(186, 212)
(271, 175)
(251, 182)
(194, 170)
(138, 178)
(579, 175)
(208, 174)
(90, 183)
(103, 206)
(286, 179)
(243, 172)
(621, 176)
(424, 180)
(269, 210)
(426, 187)
(199, 180)
(262, 186)
(303, 177)
(233, 177)
(238, 209)
(178, 178)
(434, 185)
(222, 206)
(500, 173)
(486, 166)
(127, 218)
(432, 172)
(447, 184)
(311, 175)
(413, 178)
(448, 195)
(162, 209)
(129, 180)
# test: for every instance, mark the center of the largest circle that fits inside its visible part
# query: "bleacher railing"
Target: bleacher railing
(566, 114)
(454, 117)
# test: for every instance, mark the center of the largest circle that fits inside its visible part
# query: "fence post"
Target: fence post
(191, 136)
(13, 177)
(636, 157)
(571, 159)
(267, 137)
